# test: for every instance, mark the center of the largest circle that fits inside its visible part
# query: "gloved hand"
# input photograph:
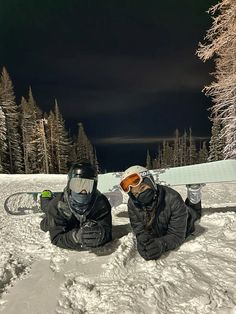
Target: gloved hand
(148, 247)
(144, 237)
(154, 249)
(91, 234)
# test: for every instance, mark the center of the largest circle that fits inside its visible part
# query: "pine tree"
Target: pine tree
(27, 127)
(60, 142)
(155, 163)
(229, 134)
(192, 150)
(176, 149)
(217, 142)
(166, 155)
(84, 146)
(181, 151)
(42, 147)
(7, 100)
(72, 158)
(185, 149)
(203, 153)
(221, 43)
(37, 111)
(51, 141)
(3, 141)
(149, 161)
(95, 162)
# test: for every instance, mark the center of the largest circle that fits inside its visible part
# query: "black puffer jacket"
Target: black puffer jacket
(172, 222)
(61, 222)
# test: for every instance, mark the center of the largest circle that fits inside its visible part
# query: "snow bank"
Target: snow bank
(37, 277)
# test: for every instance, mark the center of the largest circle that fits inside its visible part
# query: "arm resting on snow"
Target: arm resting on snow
(64, 238)
(148, 246)
(151, 247)
(177, 227)
(60, 235)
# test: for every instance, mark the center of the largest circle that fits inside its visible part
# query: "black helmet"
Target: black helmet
(84, 170)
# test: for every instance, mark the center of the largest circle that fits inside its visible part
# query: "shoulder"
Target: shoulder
(53, 205)
(101, 200)
(169, 193)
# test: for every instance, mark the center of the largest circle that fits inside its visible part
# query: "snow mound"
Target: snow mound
(37, 277)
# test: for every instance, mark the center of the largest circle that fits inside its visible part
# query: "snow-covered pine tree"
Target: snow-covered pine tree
(42, 147)
(155, 163)
(95, 163)
(221, 43)
(185, 148)
(192, 150)
(203, 153)
(181, 151)
(3, 141)
(72, 158)
(7, 99)
(37, 111)
(28, 122)
(51, 142)
(217, 142)
(229, 133)
(84, 146)
(149, 161)
(27, 128)
(59, 141)
(166, 155)
(176, 149)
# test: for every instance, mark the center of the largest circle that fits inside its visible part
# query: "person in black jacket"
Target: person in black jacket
(159, 217)
(80, 217)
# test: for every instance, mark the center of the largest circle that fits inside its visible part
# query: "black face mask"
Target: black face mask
(146, 197)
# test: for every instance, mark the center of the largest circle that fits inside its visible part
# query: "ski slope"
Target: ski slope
(39, 278)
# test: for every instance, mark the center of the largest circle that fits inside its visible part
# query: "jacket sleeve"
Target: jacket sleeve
(151, 247)
(177, 226)
(102, 215)
(64, 238)
(58, 229)
(136, 217)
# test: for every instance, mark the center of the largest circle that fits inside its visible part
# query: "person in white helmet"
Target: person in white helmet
(159, 217)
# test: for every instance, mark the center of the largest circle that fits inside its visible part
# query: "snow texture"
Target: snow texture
(39, 278)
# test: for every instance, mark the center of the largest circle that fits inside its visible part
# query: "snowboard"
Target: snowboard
(24, 203)
(211, 172)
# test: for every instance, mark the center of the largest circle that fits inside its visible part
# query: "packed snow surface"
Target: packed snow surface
(39, 278)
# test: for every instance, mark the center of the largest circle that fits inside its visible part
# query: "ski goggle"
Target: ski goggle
(79, 185)
(132, 181)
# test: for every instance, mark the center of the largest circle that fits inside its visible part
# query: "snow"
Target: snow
(39, 278)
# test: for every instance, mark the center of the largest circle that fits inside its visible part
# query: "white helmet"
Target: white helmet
(134, 175)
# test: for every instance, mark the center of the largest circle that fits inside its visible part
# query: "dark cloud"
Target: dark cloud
(126, 69)
(139, 140)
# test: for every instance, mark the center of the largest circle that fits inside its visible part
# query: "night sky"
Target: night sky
(126, 69)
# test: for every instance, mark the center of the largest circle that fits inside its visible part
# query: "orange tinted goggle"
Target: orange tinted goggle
(131, 181)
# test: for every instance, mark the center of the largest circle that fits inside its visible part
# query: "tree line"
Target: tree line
(181, 151)
(32, 141)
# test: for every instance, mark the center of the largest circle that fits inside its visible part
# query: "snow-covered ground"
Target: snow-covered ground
(39, 278)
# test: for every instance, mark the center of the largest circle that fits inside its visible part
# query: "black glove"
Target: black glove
(148, 247)
(154, 249)
(91, 234)
(144, 237)
(142, 250)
